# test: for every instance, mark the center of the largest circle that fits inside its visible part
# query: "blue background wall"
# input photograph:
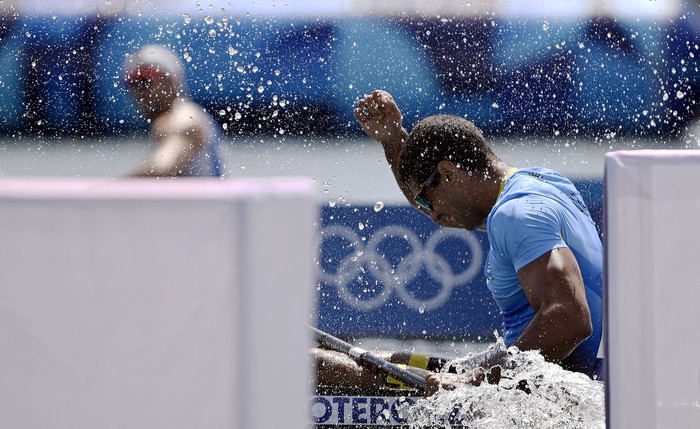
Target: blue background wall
(576, 76)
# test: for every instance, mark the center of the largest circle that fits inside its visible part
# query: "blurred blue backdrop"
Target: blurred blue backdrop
(567, 76)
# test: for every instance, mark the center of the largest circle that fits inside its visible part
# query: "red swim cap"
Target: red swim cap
(144, 73)
(153, 62)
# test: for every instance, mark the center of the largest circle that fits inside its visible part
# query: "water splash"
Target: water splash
(531, 393)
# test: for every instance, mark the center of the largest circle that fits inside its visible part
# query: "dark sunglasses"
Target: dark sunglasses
(420, 199)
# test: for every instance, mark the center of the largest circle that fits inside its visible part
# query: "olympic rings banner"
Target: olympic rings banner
(393, 272)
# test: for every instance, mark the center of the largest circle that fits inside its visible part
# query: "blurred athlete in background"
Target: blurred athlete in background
(185, 136)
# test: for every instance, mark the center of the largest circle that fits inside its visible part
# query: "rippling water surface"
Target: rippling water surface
(532, 393)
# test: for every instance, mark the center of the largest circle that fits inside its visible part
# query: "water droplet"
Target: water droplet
(361, 226)
(261, 89)
(209, 19)
(212, 33)
(187, 17)
(237, 116)
(378, 206)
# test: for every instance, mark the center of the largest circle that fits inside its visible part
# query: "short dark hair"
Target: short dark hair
(443, 137)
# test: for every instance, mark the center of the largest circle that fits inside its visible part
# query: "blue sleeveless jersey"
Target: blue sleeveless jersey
(207, 161)
(537, 211)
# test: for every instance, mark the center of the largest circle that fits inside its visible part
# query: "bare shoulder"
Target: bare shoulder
(185, 118)
(188, 114)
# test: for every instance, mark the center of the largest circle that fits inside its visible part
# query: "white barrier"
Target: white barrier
(653, 289)
(156, 303)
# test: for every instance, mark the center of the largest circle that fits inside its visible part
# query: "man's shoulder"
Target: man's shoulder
(539, 185)
(521, 209)
(185, 115)
(508, 215)
(187, 119)
(190, 112)
(521, 196)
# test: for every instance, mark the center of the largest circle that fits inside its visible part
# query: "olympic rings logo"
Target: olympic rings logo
(367, 260)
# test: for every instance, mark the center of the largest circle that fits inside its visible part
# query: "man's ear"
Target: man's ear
(448, 170)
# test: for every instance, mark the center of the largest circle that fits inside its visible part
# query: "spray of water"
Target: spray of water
(532, 393)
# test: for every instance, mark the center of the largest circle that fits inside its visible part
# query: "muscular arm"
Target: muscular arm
(554, 288)
(381, 119)
(338, 369)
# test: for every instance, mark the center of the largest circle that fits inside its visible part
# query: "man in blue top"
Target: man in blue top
(544, 266)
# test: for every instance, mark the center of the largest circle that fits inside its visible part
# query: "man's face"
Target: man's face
(449, 204)
(153, 93)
